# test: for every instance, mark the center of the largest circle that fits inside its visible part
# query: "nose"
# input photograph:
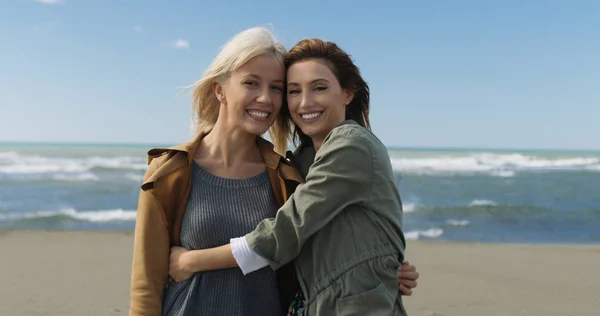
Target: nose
(306, 100)
(265, 96)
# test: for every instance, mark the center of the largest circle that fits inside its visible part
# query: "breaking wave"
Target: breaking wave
(69, 213)
(14, 163)
(499, 165)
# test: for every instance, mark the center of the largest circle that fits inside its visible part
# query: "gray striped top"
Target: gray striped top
(219, 209)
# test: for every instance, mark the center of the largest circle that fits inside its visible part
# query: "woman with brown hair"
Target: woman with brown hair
(342, 227)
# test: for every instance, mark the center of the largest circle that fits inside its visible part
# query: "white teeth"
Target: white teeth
(258, 114)
(310, 116)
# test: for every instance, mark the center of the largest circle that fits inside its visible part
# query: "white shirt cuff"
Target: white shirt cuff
(247, 259)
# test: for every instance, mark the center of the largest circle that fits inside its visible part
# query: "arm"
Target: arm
(150, 266)
(184, 263)
(341, 175)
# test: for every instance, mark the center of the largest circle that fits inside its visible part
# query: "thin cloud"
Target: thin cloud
(50, 1)
(180, 44)
(137, 28)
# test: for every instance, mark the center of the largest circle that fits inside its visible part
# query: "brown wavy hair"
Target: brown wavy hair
(346, 72)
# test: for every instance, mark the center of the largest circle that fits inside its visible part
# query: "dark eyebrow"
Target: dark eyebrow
(312, 82)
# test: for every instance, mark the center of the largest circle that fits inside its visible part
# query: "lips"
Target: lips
(258, 114)
(310, 116)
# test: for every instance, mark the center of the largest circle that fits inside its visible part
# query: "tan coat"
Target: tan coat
(162, 201)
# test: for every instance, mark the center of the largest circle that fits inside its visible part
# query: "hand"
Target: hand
(407, 278)
(179, 264)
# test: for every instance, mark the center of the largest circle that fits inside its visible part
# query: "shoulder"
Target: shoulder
(161, 154)
(158, 157)
(351, 134)
(358, 144)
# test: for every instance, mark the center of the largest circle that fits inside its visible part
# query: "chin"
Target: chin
(257, 130)
(311, 131)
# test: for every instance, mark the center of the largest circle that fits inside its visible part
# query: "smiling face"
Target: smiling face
(252, 96)
(316, 101)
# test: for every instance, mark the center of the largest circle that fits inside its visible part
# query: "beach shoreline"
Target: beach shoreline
(50, 272)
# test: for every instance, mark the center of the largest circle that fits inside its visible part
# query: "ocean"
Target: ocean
(448, 195)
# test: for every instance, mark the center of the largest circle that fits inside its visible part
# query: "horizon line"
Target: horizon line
(395, 147)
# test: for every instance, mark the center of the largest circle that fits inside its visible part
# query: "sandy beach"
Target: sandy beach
(87, 273)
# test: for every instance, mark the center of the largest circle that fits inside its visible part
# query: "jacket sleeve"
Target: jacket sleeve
(341, 175)
(151, 246)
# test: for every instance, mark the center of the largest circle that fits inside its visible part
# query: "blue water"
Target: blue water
(457, 195)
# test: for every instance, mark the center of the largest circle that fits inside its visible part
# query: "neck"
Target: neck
(229, 146)
(317, 141)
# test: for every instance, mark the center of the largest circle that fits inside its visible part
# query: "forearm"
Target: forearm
(211, 259)
(236, 254)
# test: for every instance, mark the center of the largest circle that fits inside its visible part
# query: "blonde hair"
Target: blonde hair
(235, 53)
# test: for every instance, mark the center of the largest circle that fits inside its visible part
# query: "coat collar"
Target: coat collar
(266, 148)
(183, 154)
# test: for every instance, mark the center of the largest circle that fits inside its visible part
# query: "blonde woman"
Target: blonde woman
(218, 186)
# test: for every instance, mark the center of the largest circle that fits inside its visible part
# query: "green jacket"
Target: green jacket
(343, 227)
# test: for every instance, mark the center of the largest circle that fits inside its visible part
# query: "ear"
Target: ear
(219, 93)
(348, 96)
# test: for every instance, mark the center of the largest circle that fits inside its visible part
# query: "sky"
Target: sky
(489, 74)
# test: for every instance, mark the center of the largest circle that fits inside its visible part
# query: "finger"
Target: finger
(404, 290)
(408, 275)
(405, 263)
(407, 268)
(409, 283)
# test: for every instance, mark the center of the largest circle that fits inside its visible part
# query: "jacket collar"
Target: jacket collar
(186, 148)
(266, 148)
(184, 153)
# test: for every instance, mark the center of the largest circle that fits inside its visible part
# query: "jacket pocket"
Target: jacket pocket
(374, 302)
